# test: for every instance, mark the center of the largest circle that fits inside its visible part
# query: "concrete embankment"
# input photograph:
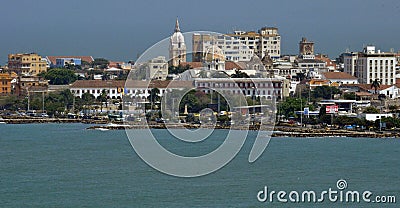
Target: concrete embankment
(278, 132)
(51, 120)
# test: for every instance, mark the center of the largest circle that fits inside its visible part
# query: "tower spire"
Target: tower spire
(177, 29)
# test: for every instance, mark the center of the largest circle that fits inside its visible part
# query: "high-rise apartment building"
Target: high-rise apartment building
(266, 41)
(371, 65)
(240, 46)
(232, 48)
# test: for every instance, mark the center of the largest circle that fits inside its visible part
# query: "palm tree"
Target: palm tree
(154, 96)
(376, 84)
(300, 76)
(102, 98)
(239, 74)
(203, 74)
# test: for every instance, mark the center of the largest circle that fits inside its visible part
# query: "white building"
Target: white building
(263, 87)
(371, 65)
(374, 116)
(266, 41)
(340, 77)
(232, 48)
(350, 63)
(116, 89)
(177, 47)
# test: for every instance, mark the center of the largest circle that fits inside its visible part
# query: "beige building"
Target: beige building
(157, 68)
(26, 63)
(266, 41)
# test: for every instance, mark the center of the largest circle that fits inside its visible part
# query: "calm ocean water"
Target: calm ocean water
(64, 165)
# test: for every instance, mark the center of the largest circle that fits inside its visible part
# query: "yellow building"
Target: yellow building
(5, 84)
(27, 63)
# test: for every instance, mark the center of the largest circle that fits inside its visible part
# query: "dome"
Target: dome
(177, 38)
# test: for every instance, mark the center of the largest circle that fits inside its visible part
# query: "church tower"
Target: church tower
(177, 47)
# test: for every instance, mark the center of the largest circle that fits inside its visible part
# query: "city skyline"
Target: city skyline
(121, 30)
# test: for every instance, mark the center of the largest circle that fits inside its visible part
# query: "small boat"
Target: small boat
(117, 125)
(2, 121)
(102, 129)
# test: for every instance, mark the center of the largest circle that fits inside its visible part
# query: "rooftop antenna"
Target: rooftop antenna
(391, 50)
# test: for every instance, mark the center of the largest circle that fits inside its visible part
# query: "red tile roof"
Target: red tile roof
(193, 65)
(338, 75)
(367, 87)
(230, 65)
(130, 84)
(52, 59)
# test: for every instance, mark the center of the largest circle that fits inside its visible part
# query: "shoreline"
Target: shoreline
(279, 131)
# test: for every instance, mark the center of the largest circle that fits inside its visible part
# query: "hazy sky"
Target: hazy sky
(120, 29)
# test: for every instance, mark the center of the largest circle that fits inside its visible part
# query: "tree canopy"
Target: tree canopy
(58, 76)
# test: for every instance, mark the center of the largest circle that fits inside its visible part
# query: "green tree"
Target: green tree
(60, 76)
(67, 98)
(203, 74)
(300, 76)
(370, 109)
(290, 105)
(154, 96)
(325, 92)
(100, 63)
(349, 96)
(87, 99)
(239, 74)
(178, 69)
(102, 98)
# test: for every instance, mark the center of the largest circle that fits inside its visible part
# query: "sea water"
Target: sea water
(65, 165)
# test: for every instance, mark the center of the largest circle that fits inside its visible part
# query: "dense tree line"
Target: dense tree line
(59, 76)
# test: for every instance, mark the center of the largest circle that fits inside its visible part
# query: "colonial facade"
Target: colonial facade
(116, 89)
(306, 49)
(263, 87)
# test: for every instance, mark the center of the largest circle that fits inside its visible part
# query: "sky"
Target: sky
(120, 30)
